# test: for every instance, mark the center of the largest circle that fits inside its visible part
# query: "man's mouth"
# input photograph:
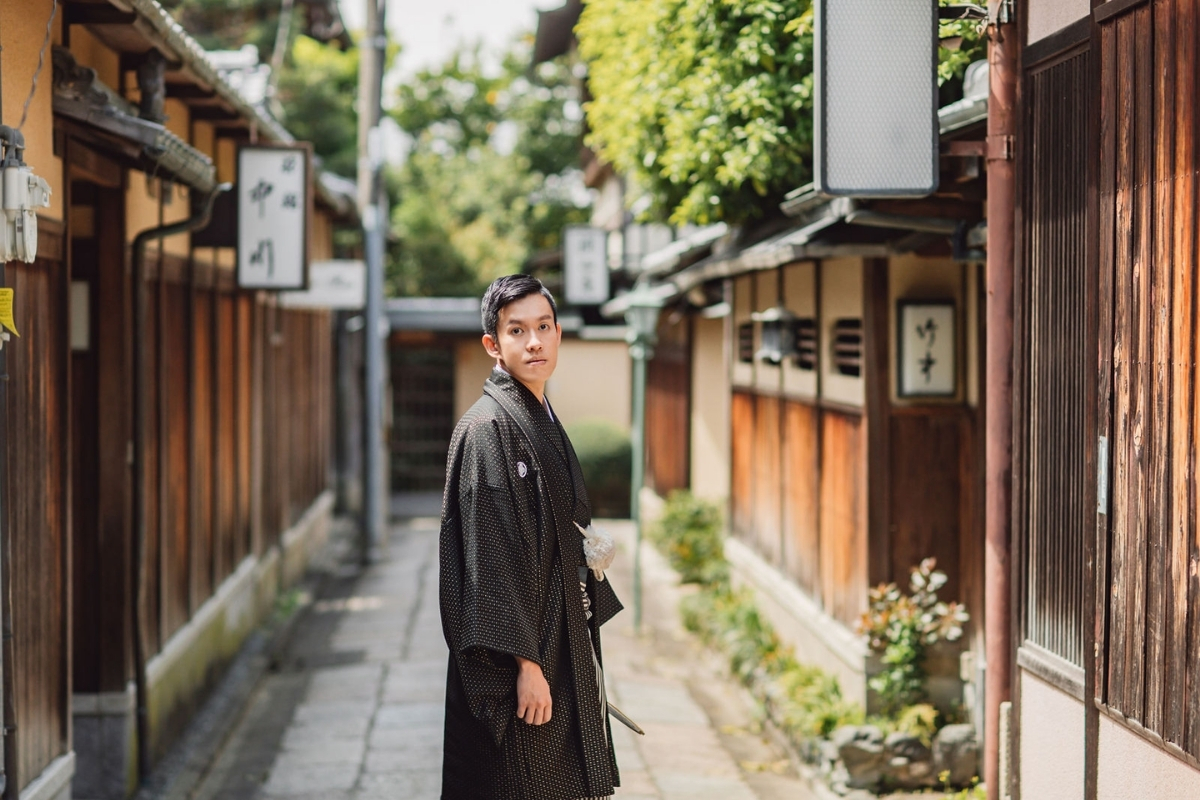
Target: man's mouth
(536, 362)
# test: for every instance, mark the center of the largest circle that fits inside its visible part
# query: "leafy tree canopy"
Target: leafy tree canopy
(708, 105)
(488, 179)
(316, 91)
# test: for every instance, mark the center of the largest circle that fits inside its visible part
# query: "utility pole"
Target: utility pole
(372, 206)
(1001, 194)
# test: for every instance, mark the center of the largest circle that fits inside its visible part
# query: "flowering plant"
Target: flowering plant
(902, 627)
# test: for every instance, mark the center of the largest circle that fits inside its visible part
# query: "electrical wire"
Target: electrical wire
(41, 63)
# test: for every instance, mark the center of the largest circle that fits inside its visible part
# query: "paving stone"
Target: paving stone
(411, 715)
(658, 700)
(292, 776)
(411, 785)
(326, 751)
(359, 682)
(414, 757)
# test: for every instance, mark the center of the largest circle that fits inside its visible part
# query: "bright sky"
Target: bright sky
(429, 30)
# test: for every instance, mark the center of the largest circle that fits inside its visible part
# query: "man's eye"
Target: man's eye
(545, 326)
(515, 332)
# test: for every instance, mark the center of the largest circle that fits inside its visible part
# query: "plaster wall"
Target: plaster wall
(800, 297)
(841, 298)
(593, 380)
(742, 374)
(1052, 735)
(915, 278)
(767, 376)
(90, 52)
(1047, 16)
(177, 204)
(710, 437)
(22, 31)
(141, 206)
(1131, 768)
(321, 238)
(472, 365)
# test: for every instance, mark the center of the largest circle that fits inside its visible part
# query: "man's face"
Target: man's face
(527, 339)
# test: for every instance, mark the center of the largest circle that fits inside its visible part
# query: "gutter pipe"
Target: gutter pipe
(198, 220)
(1001, 191)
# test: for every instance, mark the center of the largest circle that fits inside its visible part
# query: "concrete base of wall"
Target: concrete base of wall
(105, 739)
(190, 663)
(817, 638)
(55, 781)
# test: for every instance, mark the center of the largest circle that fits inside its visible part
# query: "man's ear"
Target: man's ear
(490, 345)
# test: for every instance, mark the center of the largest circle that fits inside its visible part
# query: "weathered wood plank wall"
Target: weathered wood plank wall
(1149, 620)
(798, 495)
(36, 513)
(668, 407)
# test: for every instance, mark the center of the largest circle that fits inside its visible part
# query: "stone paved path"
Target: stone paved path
(353, 710)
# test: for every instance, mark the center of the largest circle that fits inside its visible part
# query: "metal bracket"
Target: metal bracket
(1102, 476)
(1000, 12)
(1000, 148)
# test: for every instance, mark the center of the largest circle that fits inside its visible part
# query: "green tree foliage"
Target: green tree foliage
(317, 92)
(228, 24)
(317, 89)
(487, 180)
(708, 104)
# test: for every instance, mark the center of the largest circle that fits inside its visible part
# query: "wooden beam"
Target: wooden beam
(189, 91)
(97, 14)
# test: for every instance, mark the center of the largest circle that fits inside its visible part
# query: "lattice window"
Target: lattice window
(848, 347)
(805, 336)
(745, 342)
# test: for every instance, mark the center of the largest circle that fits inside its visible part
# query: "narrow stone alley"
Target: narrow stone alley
(352, 707)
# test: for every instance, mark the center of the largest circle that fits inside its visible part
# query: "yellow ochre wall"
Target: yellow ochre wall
(22, 31)
(180, 207)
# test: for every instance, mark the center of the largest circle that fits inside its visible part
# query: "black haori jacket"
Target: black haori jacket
(510, 554)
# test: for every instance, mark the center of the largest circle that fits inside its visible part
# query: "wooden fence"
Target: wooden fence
(235, 382)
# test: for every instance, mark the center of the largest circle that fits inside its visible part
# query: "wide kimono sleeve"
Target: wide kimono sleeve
(491, 597)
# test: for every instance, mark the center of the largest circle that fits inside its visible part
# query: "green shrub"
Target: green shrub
(805, 701)
(689, 533)
(606, 458)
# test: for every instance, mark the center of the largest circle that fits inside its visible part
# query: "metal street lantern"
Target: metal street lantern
(641, 315)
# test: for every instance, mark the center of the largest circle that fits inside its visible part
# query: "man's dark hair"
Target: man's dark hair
(509, 289)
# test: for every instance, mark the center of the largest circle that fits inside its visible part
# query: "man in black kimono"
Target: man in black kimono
(526, 714)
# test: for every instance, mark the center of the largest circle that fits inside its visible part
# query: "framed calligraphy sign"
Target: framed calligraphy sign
(274, 202)
(928, 351)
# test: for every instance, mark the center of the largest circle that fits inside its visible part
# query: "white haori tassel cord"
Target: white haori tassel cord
(599, 549)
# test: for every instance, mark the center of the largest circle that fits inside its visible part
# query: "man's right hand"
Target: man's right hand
(533, 693)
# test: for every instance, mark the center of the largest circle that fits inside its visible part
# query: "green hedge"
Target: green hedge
(606, 457)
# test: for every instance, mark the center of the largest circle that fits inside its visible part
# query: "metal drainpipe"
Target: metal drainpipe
(5, 607)
(1002, 59)
(195, 222)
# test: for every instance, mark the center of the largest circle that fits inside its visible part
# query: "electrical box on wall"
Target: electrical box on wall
(21, 193)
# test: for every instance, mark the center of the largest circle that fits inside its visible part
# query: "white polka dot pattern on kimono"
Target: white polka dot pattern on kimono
(510, 554)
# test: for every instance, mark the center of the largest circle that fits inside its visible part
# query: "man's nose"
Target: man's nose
(535, 341)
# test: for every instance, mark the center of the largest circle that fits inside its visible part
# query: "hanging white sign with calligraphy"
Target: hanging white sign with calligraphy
(273, 211)
(928, 349)
(585, 265)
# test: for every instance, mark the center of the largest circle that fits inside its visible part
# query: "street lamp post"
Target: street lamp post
(642, 318)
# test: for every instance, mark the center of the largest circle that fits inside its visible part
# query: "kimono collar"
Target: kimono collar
(502, 385)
